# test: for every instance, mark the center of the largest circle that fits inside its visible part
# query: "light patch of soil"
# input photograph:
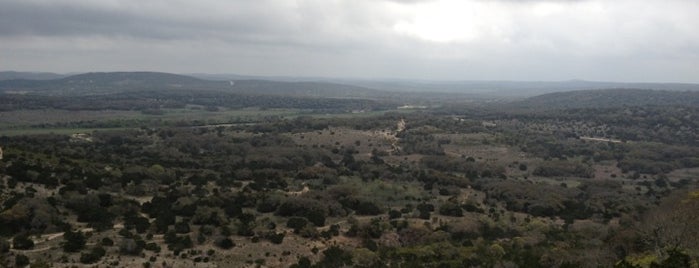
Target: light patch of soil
(488, 153)
(684, 173)
(607, 170)
(363, 141)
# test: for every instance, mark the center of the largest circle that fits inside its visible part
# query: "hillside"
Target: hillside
(119, 82)
(310, 89)
(106, 83)
(507, 88)
(609, 98)
(10, 75)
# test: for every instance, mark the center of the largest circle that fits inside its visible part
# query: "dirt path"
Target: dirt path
(600, 139)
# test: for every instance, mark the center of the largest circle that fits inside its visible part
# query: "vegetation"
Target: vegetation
(455, 186)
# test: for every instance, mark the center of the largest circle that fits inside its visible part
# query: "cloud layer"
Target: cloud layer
(425, 39)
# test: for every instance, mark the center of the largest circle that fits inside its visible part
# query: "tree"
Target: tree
(368, 208)
(675, 259)
(450, 209)
(92, 256)
(224, 243)
(22, 241)
(673, 225)
(296, 223)
(523, 167)
(334, 256)
(4, 246)
(276, 238)
(74, 241)
(21, 260)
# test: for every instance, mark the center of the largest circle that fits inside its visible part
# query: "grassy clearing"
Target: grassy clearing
(58, 131)
(387, 192)
(360, 114)
(32, 122)
(225, 115)
(26, 118)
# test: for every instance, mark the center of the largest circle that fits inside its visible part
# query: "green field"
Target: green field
(28, 122)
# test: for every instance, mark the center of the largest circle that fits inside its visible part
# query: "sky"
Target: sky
(530, 40)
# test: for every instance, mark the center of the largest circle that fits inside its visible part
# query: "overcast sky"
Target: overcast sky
(611, 40)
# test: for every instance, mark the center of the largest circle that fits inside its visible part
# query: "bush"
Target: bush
(141, 224)
(21, 260)
(296, 223)
(523, 167)
(152, 247)
(178, 243)
(394, 214)
(276, 238)
(368, 208)
(267, 205)
(74, 241)
(92, 256)
(313, 210)
(335, 257)
(450, 209)
(4, 246)
(182, 228)
(425, 210)
(107, 242)
(22, 241)
(224, 243)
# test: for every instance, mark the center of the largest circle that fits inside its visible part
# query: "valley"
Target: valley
(127, 170)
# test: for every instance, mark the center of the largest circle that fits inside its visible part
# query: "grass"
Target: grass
(358, 115)
(59, 131)
(27, 122)
(386, 191)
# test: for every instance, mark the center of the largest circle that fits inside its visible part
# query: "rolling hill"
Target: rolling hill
(609, 98)
(11, 75)
(119, 82)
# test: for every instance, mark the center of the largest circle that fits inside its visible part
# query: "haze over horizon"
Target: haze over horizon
(547, 40)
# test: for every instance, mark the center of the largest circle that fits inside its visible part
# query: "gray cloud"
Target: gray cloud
(78, 19)
(431, 39)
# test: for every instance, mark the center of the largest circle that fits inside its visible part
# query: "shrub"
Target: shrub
(296, 223)
(394, 214)
(276, 238)
(224, 243)
(335, 257)
(22, 241)
(368, 208)
(152, 247)
(74, 241)
(92, 256)
(313, 210)
(21, 260)
(450, 209)
(107, 242)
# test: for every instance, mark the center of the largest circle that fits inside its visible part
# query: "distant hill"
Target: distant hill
(515, 89)
(479, 88)
(120, 82)
(311, 89)
(117, 82)
(609, 98)
(11, 75)
(106, 83)
(131, 78)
